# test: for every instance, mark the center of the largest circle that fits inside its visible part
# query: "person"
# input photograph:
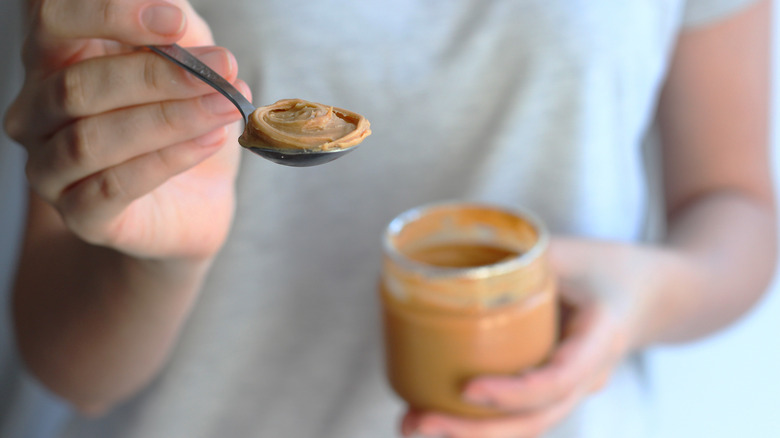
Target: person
(172, 285)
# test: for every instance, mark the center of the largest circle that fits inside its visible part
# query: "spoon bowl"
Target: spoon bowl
(287, 157)
(296, 158)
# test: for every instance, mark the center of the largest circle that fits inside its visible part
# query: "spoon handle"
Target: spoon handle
(185, 59)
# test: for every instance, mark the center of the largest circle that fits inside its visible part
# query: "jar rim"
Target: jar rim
(397, 225)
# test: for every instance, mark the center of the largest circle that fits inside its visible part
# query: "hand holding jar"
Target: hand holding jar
(605, 292)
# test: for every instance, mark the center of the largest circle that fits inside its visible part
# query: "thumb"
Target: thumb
(59, 28)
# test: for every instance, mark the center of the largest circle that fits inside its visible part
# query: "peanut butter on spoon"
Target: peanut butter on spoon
(300, 125)
(291, 132)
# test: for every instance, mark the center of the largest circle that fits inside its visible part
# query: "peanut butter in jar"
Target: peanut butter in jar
(466, 291)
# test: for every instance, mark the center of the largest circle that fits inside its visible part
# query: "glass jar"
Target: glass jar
(466, 291)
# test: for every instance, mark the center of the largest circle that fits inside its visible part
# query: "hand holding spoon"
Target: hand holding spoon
(291, 132)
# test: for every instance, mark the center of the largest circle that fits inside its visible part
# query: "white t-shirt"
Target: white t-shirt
(542, 104)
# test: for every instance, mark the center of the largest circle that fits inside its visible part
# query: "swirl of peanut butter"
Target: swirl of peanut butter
(299, 124)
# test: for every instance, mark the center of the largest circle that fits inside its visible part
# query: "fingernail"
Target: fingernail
(212, 138)
(218, 104)
(163, 19)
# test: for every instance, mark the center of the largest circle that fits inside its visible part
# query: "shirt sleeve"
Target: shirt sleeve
(703, 12)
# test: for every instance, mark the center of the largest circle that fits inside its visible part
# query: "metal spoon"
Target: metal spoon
(288, 157)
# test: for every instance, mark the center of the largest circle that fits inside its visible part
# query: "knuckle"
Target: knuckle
(108, 187)
(56, 17)
(110, 11)
(13, 125)
(77, 148)
(37, 171)
(169, 117)
(167, 161)
(70, 92)
(79, 203)
(150, 72)
(48, 14)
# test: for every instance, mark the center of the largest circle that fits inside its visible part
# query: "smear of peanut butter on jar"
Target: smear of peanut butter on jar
(300, 124)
